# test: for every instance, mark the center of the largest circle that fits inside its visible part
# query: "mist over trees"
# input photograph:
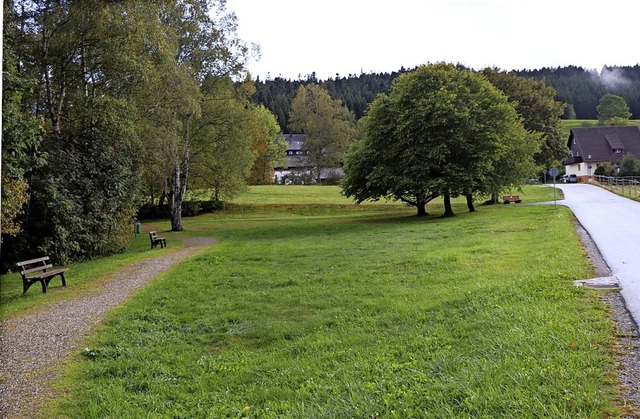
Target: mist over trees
(575, 86)
(108, 105)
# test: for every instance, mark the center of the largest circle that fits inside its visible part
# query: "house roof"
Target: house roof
(294, 141)
(295, 158)
(601, 143)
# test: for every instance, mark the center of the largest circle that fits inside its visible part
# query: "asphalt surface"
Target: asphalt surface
(613, 222)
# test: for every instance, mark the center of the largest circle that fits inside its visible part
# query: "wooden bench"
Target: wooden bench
(155, 240)
(511, 198)
(39, 270)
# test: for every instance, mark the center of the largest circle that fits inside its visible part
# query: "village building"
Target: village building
(590, 148)
(297, 164)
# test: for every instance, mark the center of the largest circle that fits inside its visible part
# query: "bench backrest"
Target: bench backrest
(42, 265)
(153, 235)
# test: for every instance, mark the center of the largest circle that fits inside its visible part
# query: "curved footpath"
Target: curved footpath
(34, 345)
(613, 222)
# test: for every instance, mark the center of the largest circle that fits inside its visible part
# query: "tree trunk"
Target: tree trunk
(422, 211)
(176, 205)
(448, 211)
(165, 192)
(216, 191)
(470, 203)
(180, 176)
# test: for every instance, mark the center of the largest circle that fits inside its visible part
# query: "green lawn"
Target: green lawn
(567, 124)
(312, 307)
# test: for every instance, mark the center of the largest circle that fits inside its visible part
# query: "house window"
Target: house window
(578, 168)
(617, 150)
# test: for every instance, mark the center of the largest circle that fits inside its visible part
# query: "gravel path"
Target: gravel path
(33, 346)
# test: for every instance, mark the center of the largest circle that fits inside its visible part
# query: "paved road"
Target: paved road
(613, 223)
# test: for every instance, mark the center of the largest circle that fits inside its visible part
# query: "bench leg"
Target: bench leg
(64, 283)
(27, 284)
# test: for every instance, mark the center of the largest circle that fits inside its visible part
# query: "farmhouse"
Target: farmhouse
(592, 147)
(297, 164)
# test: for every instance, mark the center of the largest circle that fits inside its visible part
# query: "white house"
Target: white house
(592, 147)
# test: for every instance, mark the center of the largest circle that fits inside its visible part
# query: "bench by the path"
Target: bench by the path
(39, 270)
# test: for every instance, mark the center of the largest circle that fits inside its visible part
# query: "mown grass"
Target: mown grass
(81, 278)
(567, 124)
(304, 311)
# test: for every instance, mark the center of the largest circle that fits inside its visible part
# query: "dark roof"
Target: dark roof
(294, 141)
(295, 159)
(601, 143)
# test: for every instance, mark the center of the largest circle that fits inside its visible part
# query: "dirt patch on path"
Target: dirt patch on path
(34, 346)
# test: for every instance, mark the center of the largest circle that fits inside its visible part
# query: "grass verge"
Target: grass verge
(308, 311)
(82, 278)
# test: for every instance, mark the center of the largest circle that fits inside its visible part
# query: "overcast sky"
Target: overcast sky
(298, 37)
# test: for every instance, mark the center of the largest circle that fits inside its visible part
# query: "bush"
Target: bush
(189, 209)
(629, 166)
(297, 178)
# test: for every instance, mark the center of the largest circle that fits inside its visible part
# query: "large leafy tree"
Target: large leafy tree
(207, 46)
(535, 102)
(21, 131)
(226, 137)
(269, 145)
(613, 109)
(441, 131)
(90, 59)
(328, 124)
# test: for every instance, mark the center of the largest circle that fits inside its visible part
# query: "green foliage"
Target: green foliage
(535, 102)
(440, 131)
(578, 88)
(612, 109)
(85, 199)
(119, 83)
(269, 146)
(306, 311)
(583, 88)
(328, 124)
(21, 134)
(629, 166)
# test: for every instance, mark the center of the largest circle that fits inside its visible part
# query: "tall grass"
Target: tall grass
(304, 311)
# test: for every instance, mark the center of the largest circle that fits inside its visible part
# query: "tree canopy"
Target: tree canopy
(535, 102)
(612, 109)
(328, 124)
(441, 131)
(103, 102)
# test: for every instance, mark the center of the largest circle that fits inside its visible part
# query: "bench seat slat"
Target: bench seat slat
(36, 269)
(47, 274)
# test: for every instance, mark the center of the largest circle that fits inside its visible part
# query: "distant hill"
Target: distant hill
(576, 86)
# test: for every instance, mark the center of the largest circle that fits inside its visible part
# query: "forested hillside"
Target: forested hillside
(576, 86)
(584, 88)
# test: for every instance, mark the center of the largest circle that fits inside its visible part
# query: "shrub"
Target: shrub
(189, 209)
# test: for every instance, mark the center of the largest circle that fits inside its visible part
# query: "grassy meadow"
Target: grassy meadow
(310, 306)
(567, 124)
